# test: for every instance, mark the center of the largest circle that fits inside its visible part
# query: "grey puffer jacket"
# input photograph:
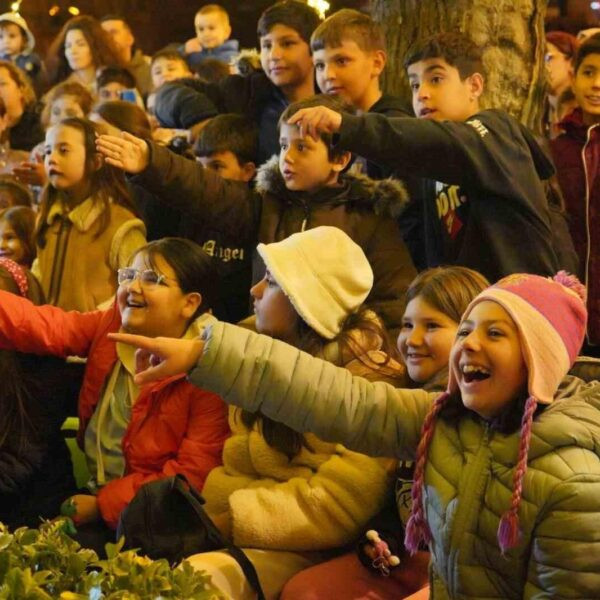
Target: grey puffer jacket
(470, 468)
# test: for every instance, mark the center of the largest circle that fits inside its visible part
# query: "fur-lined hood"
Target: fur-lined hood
(385, 197)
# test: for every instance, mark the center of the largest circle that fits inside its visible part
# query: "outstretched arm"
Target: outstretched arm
(306, 393)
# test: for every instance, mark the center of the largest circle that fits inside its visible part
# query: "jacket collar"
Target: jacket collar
(573, 124)
(83, 216)
(126, 353)
(385, 197)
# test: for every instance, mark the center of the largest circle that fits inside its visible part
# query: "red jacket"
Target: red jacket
(175, 427)
(577, 158)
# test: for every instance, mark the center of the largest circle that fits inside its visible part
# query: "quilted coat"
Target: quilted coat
(469, 471)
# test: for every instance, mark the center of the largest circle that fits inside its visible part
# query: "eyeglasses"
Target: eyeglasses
(148, 277)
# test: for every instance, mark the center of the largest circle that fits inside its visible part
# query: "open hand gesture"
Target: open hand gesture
(127, 152)
(161, 357)
(315, 120)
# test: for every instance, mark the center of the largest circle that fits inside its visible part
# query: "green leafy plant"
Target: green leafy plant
(46, 563)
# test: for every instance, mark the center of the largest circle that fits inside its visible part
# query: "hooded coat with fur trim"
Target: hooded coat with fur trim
(241, 217)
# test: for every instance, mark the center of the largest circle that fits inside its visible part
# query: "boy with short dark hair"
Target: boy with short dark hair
(111, 81)
(168, 65)
(305, 187)
(488, 210)
(228, 145)
(284, 31)
(211, 23)
(577, 157)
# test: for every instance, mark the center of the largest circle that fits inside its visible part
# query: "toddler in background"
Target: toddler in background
(17, 44)
(212, 37)
(87, 228)
(17, 226)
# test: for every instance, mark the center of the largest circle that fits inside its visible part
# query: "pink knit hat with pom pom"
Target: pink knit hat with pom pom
(551, 317)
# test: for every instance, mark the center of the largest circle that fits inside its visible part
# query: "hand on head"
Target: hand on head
(315, 120)
(161, 357)
(127, 152)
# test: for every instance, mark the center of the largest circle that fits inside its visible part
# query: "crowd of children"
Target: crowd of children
(161, 202)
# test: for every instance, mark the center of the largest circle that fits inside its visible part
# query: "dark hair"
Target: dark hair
(457, 49)
(447, 289)
(20, 194)
(168, 54)
(280, 436)
(102, 48)
(229, 132)
(211, 70)
(107, 183)
(348, 24)
(331, 102)
(7, 24)
(15, 392)
(22, 220)
(67, 88)
(296, 15)
(590, 46)
(565, 42)
(125, 116)
(194, 269)
(115, 74)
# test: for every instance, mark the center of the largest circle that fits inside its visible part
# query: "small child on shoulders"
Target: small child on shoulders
(212, 37)
(17, 44)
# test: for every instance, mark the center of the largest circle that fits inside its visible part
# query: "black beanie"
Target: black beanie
(179, 106)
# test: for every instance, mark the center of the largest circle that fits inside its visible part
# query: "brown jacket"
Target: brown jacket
(77, 270)
(239, 216)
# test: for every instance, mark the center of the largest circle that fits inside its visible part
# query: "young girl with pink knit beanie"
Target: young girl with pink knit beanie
(507, 480)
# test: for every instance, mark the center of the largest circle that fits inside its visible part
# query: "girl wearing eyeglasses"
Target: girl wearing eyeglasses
(131, 435)
(87, 227)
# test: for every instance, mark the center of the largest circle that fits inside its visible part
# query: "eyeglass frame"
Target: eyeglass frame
(138, 274)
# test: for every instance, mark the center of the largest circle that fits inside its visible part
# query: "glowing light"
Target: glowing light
(321, 6)
(15, 6)
(595, 5)
(54, 10)
(73, 10)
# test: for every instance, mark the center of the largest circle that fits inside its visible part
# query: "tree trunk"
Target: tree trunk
(511, 31)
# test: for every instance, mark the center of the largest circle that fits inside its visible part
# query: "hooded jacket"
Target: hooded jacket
(577, 158)
(490, 211)
(469, 471)
(239, 217)
(174, 427)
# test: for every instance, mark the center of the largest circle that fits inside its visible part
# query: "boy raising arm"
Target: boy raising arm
(487, 209)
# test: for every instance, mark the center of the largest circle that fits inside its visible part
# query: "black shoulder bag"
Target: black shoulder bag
(165, 519)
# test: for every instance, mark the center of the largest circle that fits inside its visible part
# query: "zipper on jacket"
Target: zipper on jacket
(58, 265)
(587, 212)
(464, 510)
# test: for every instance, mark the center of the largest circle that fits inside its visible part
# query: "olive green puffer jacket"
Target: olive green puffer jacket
(469, 472)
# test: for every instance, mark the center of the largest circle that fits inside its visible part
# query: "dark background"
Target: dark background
(155, 23)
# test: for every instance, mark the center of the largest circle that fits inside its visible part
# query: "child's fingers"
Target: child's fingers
(160, 371)
(139, 341)
(133, 139)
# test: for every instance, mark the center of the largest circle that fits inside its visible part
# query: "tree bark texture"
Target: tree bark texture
(511, 32)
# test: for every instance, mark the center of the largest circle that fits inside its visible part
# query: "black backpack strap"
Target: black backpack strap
(196, 501)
